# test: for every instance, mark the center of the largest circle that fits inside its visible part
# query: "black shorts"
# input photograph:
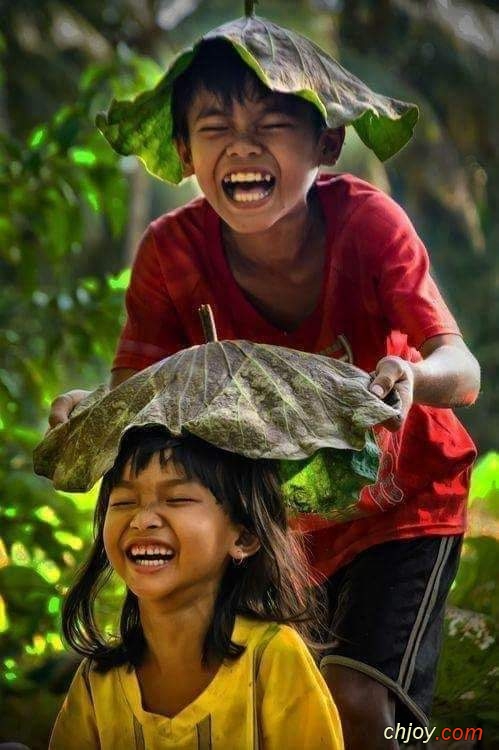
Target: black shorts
(386, 617)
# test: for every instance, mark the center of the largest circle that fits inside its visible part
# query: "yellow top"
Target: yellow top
(271, 698)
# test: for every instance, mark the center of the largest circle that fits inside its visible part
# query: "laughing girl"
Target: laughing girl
(210, 653)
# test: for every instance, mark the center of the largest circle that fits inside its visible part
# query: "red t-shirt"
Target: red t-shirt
(377, 298)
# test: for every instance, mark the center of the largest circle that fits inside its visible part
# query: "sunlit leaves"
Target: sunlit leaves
(37, 137)
(58, 189)
(69, 540)
(120, 281)
(484, 491)
(4, 558)
(4, 621)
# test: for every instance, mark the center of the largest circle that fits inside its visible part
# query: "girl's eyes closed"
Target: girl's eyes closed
(163, 501)
(179, 500)
(121, 503)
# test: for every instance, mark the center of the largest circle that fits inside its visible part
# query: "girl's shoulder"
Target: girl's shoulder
(92, 678)
(271, 641)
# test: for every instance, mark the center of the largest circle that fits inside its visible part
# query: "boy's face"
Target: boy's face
(256, 161)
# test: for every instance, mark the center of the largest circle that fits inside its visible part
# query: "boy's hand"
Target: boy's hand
(63, 405)
(394, 374)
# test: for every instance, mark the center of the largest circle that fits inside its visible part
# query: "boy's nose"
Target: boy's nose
(244, 146)
(145, 518)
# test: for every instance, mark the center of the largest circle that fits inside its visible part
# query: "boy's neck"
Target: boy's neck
(284, 244)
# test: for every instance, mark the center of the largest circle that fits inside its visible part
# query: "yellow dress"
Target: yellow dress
(271, 698)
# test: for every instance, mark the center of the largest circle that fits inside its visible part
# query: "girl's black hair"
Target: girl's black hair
(273, 584)
(219, 69)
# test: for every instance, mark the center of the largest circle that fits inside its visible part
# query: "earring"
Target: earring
(238, 561)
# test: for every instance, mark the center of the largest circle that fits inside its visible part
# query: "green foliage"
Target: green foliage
(468, 688)
(329, 482)
(59, 189)
(484, 489)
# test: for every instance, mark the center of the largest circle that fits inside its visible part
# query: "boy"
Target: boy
(327, 265)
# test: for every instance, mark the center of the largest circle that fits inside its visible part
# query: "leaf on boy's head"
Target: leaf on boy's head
(285, 62)
(257, 400)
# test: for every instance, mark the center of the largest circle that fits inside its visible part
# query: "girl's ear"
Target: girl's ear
(185, 157)
(329, 145)
(244, 546)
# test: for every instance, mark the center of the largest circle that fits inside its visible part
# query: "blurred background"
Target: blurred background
(71, 213)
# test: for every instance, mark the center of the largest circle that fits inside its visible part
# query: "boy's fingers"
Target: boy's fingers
(391, 375)
(63, 405)
(388, 372)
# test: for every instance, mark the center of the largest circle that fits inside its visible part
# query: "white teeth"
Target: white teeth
(241, 197)
(150, 563)
(152, 549)
(247, 177)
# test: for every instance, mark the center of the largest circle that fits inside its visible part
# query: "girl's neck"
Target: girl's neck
(175, 634)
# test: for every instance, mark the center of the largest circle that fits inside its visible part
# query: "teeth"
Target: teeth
(249, 197)
(247, 177)
(150, 549)
(150, 563)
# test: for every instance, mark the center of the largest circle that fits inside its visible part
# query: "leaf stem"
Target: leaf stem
(208, 323)
(249, 8)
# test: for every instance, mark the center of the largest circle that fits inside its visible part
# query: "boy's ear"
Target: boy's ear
(245, 545)
(185, 157)
(330, 144)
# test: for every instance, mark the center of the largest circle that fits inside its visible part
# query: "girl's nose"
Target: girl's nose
(145, 518)
(244, 146)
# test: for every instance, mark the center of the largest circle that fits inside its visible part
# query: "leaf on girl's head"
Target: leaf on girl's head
(257, 400)
(285, 62)
(330, 481)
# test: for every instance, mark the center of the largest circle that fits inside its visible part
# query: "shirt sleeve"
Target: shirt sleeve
(297, 710)
(75, 726)
(152, 330)
(409, 297)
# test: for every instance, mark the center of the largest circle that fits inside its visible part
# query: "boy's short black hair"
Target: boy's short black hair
(219, 69)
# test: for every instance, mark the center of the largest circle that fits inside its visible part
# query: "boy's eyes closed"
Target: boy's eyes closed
(213, 129)
(269, 125)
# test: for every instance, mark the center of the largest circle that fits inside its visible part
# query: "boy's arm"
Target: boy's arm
(152, 331)
(120, 375)
(447, 376)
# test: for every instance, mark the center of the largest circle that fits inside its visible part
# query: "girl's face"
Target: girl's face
(166, 536)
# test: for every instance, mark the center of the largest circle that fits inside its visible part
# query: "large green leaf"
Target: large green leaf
(330, 481)
(258, 400)
(284, 61)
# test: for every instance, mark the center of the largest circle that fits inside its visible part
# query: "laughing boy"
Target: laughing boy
(321, 263)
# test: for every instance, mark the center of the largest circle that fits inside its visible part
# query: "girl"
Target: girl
(206, 657)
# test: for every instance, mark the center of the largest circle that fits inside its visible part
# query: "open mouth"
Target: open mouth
(248, 187)
(150, 555)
